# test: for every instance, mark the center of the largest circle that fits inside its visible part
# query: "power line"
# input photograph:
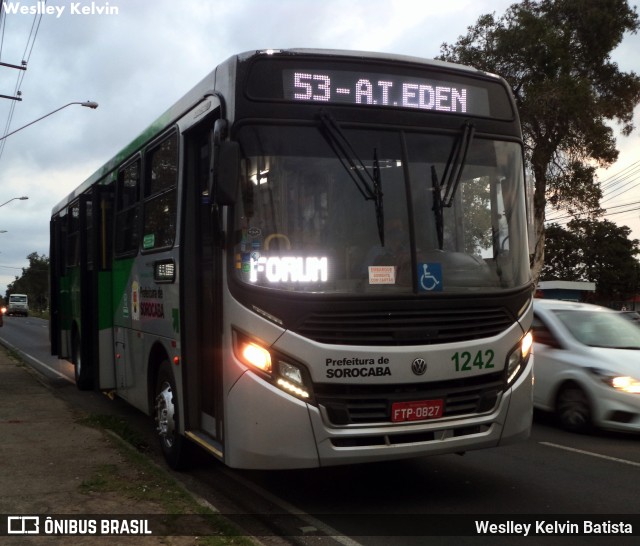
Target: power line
(607, 213)
(26, 56)
(3, 19)
(611, 181)
(629, 177)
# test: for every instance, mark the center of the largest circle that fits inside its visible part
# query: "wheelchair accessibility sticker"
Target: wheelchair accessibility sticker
(430, 277)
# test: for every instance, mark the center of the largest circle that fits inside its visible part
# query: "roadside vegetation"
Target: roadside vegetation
(153, 489)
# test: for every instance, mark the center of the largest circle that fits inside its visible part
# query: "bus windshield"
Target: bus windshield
(377, 215)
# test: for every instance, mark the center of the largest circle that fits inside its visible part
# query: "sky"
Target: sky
(137, 57)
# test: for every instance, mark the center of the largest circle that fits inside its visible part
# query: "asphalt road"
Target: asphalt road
(30, 336)
(553, 477)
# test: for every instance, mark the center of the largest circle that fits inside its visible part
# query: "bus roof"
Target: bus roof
(366, 55)
(207, 86)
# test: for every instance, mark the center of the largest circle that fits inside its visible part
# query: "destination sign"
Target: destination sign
(379, 90)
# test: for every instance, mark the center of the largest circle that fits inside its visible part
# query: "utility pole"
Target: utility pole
(21, 66)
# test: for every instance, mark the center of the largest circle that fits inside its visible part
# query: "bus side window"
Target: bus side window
(89, 229)
(159, 226)
(73, 236)
(127, 229)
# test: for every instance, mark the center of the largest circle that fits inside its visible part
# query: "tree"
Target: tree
(593, 250)
(563, 256)
(555, 55)
(34, 282)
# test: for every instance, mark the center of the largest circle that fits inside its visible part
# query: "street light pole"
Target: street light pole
(24, 197)
(89, 104)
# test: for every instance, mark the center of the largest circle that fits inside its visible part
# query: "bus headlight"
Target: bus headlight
(289, 376)
(518, 358)
(256, 356)
(291, 379)
(290, 372)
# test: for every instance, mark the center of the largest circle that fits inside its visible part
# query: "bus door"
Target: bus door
(84, 333)
(101, 292)
(201, 285)
(58, 322)
(72, 328)
(126, 244)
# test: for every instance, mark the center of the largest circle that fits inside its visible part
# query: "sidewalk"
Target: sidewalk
(52, 465)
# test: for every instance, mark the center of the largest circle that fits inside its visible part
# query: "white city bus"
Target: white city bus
(312, 258)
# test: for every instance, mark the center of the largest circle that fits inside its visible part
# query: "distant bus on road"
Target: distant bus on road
(18, 304)
(312, 258)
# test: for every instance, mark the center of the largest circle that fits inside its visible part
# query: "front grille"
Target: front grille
(371, 404)
(404, 327)
(405, 438)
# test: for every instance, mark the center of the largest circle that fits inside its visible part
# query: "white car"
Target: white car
(587, 366)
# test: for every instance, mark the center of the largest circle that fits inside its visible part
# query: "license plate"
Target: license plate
(419, 410)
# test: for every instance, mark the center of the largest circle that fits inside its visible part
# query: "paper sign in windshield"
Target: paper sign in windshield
(382, 274)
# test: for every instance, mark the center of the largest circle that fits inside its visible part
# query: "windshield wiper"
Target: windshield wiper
(451, 178)
(437, 206)
(378, 195)
(369, 186)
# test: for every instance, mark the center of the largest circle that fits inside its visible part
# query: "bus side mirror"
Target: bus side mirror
(223, 184)
(227, 173)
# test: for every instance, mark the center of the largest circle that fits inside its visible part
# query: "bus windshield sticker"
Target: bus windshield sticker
(149, 241)
(382, 274)
(430, 277)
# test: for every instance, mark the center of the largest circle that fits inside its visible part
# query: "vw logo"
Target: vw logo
(419, 366)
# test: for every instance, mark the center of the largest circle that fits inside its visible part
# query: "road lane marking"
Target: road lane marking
(34, 359)
(591, 454)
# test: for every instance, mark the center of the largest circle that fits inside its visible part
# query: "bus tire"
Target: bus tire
(173, 444)
(81, 368)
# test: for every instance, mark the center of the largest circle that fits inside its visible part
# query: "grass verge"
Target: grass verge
(147, 484)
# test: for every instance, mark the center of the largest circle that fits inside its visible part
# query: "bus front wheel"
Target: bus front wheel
(173, 444)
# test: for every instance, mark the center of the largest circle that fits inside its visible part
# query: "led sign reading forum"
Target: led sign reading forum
(289, 269)
(333, 86)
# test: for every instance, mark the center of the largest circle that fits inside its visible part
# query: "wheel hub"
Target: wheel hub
(165, 412)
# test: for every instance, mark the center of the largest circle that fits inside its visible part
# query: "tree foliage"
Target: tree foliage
(555, 55)
(563, 255)
(593, 250)
(34, 282)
